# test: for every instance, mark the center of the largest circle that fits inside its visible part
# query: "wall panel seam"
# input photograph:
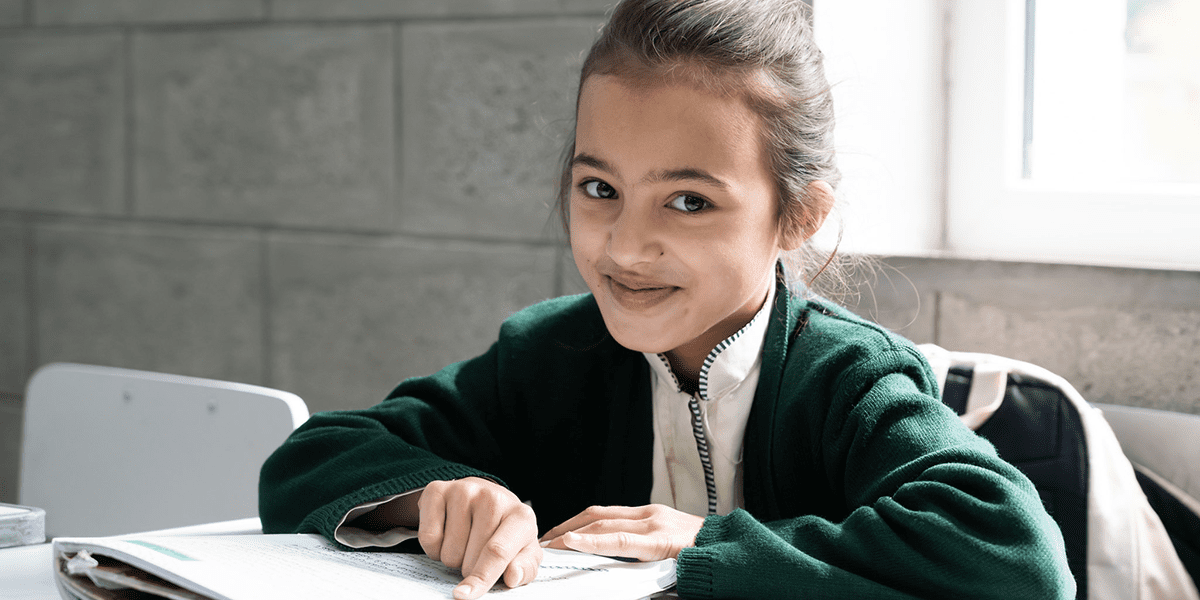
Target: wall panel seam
(265, 299)
(397, 109)
(31, 297)
(130, 129)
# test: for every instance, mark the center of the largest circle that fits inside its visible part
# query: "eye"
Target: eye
(598, 189)
(688, 203)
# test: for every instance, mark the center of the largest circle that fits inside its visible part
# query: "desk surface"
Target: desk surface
(25, 573)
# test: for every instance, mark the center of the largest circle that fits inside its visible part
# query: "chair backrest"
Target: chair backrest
(109, 451)
(1164, 448)
(1164, 442)
(1117, 546)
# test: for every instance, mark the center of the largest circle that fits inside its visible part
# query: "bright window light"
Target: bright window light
(1113, 92)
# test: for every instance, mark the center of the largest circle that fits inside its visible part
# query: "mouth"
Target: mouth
(635, 295)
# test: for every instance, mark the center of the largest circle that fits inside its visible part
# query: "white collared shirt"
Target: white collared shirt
(727, 384)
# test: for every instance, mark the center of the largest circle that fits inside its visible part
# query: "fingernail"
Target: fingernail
(518, 575)
(464, 591)
(544, 544)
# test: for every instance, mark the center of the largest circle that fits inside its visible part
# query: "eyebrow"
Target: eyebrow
(681, 174)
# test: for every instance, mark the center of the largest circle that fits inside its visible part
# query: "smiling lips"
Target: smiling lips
(632, 295)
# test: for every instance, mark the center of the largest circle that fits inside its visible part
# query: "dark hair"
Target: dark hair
(762, 50)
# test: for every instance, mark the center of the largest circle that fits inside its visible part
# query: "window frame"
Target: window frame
(992, 212)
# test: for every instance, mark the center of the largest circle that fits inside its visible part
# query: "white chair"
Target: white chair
(108, 451)
(1162, 445)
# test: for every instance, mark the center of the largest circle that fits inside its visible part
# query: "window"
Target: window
(1043, 130)
(1120, 101)
(1073, 131)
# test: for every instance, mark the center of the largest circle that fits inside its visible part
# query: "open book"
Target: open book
(305, 566)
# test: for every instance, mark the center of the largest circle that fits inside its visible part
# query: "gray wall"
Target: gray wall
(1120, 336)
(319, 196)
(328, 196)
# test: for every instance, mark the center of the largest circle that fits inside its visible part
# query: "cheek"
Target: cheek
(583, 249)
(742, 257)
(587, 237)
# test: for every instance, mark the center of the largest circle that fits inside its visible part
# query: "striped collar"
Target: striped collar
(729, 363)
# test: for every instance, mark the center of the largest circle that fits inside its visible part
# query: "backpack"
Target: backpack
(1117, 546)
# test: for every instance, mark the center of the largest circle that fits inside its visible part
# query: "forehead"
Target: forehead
(668, 125)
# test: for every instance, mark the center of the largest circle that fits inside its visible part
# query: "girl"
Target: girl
(692, 406)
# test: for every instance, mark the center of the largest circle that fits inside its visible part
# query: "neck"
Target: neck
(687, 369)
(687, 360)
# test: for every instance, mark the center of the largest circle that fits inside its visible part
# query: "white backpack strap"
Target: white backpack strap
(989, 380)
(939, 361)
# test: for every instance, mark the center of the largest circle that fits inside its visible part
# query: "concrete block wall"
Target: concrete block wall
(322, 196)
(1119, 335)
(328, 196)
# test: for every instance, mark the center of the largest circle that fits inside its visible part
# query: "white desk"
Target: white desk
(27, 572)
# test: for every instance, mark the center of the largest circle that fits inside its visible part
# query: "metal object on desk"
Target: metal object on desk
(21, 525)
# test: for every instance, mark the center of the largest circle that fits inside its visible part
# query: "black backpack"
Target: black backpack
(1121, 542)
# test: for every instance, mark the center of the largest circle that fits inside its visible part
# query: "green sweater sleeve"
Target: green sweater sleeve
(427, 429)
(553, 380)
(930, 510)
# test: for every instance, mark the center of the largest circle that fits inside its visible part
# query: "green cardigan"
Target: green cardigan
(858, 482)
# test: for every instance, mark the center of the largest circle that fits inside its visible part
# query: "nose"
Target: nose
(633, 237)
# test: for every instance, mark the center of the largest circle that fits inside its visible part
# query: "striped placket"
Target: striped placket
(733, 385)
(710, 481)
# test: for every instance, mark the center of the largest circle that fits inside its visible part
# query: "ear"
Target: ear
(818, 201)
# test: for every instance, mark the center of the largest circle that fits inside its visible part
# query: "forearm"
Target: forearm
(432, 428)
(928, 540)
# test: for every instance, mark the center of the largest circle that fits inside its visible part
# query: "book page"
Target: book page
(310, 567)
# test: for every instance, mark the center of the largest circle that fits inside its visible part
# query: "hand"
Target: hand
(481, 528)
(652, 532)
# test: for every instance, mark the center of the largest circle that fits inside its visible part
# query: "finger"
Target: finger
(457, 532)
(592, 514)
(470, 588)
(501, 549)
(635, 526)
(432, 522)
(485, 525)
(524, 566)
(621, 543)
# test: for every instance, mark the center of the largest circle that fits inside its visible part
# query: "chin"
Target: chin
(639, 340)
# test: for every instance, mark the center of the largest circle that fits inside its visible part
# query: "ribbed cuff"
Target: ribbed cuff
(694, 566)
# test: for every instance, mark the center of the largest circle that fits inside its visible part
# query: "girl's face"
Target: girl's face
(673, 215)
